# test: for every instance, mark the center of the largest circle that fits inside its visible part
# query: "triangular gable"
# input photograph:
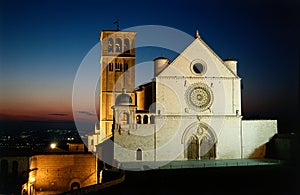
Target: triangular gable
(198, 50)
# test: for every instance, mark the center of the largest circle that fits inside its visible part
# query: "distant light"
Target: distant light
(53, 145)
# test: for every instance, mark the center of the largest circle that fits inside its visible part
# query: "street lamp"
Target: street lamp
(53, 145)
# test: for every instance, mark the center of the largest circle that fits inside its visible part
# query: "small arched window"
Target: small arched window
(15, 167)
(110, 46)
(118, 45)
(125, 66)
(126, 46)
(118, 67)
(75, 186)
(110, 66)
(125, 118)
(145, 119)
(4, 167)
(139, 154)
(152, 119)
(138, 119)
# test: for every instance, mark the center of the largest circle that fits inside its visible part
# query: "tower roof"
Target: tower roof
(161, 58)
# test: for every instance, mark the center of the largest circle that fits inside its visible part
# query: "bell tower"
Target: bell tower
(117, 64)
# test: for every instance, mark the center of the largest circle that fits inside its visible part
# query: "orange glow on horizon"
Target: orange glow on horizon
(36, 116)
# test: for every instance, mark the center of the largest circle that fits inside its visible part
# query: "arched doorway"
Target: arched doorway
(199, 141)
(75, 186)
(193, 148)
(207, 149)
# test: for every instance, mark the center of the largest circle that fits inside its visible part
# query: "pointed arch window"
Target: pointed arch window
(110, 45)
(199, 142)
(118, 45)
(139, 154)
(126, 46)
(207, 149)
(193, 148)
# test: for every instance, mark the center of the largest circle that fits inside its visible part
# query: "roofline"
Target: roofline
(60, 153)
(142, 85)
(116, 31)
(214, 53)
(229, 59)
(161, 57)
(203, 42)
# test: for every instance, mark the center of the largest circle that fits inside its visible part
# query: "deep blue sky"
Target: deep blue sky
(42, 44)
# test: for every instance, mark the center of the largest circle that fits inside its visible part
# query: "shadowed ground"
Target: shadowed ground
(262, 179)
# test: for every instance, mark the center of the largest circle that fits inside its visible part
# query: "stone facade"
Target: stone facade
(117, 72)
(191, 110)
(57, 173)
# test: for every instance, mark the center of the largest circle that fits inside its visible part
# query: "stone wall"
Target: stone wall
(255, 135)
(128, 142)
(57, 172)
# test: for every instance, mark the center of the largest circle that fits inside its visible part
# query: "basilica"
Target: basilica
(191, 109)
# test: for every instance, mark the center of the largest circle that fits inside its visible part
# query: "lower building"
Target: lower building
(56, 172)
(13, 170)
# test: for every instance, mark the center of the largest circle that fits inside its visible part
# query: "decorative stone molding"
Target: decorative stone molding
(199, 97)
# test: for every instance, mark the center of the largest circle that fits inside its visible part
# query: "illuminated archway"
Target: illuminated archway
(75, 186)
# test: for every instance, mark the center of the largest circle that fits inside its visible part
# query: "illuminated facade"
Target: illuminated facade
(117, 72)
(190, 110)
(54, 173)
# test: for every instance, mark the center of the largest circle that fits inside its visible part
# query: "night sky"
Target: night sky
(42, 44)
